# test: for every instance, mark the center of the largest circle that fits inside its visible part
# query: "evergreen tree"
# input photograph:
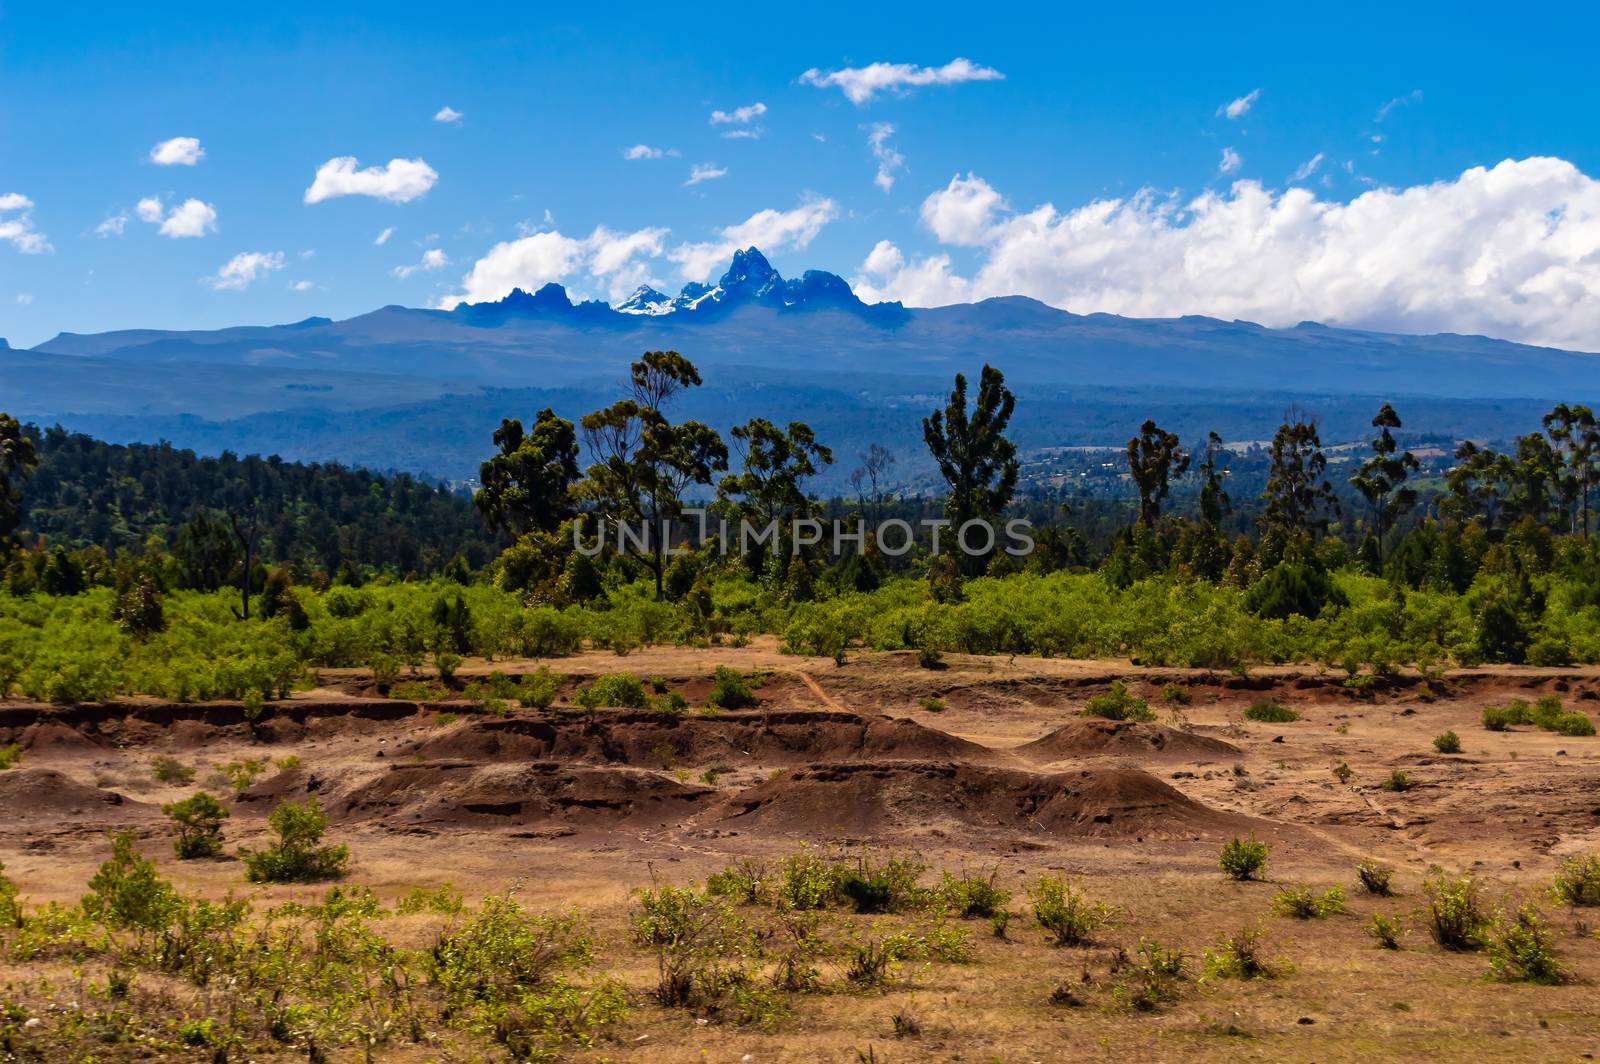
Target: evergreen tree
(1381, 479)
(974, 456)
(1155, 458)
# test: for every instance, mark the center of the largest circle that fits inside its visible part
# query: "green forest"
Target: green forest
(146, 569)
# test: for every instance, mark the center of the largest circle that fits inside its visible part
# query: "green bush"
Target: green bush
(932, 704)
(1374, 878)
(1237, 956)
(969, 896)
(731, 690)
(128, 892)
(1118, 704)
(1267, 711)
(1520, 951)
(1175, 694)
(1243, 859)
(1398, 781)
(10, 756)
(447, 664)
(540, 688)
(1447, 743)
(1385, 930)
(1300, 903)
(1578, 881)
(1066, 913)
(170, 770)
(198, 819)
(296, 857)
(621, 690)
(1458, 919)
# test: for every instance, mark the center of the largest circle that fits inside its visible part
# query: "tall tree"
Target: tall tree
(1155, 459)
(972, 452)
(644, 461)
(1576, 437)
(1476, 486)
(1381, 479)
(1214, 501)
(527, 487)
(771, 483)
(1298, 498)
(17, 459)
(870, 479)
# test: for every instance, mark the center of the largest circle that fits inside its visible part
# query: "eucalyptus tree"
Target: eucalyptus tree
(973, 454)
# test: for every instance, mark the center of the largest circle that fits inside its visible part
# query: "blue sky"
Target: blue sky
(1071, 162)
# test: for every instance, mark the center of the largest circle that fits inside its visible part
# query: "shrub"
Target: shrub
(881, 888)
(1118, 704)
(1175, 694)
(929, 656)
(970, 896)
(1300, 903)
(695, 937)
(241, 774)
(1457, 916)
(1398, 781)
(1342, 772)
(1572, 724)
(1151, 978)
(1447, 743)
(616, 689)
(1375, 877)
(748, 882)
(1243, 859)
(296, 857)
(1519, 950)
(808, 881)
(10, 756)
(1496, 718)
(170, 770)
(1066, 912)
(932, 704)
(447, 664)
(1578, 881)
(540, 687)
(730, 690)
(1266, 711)
(1237, 956)
(1385, 930)
(127, 891)
(198, 819)
(385, 671)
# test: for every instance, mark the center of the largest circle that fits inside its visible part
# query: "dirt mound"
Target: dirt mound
(464, 794)
(651, 739)
(914, 796)
(53, 737)
(1095, 737)
(44, 793)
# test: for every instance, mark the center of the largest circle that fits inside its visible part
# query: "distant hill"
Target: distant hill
(355, 390)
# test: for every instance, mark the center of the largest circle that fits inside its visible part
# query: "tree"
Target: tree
(205, 552)
(296, 857)
(1298, 498)
(248, 532)
(770, 486)
(528, 485)
(18, 457)
(972, 453)
(1476, 486)
(869, 480)
(198, 819)
(1381, 479)
(645, 462)
(1576, 436)
(1214, 501)
(1155, 458)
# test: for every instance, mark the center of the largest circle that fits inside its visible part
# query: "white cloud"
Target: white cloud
(1414, 96)
(889, 160)
(24, 299)
(16, 224)
(447, 114)
(963, 211)
(244, 268)
(191, 218)
(301, 286)
(642, 151)
(149, 209)
(400, 181)
(179, 151)
(705, 172)
(742, 116)
(113, 225)
(432, 259)
(744, 133)
(1511, 250)
(1231, 161)
(383, 237)
(1307, 168)
(617, 261)
(770, 230)
(1235, 109)
(861, 84)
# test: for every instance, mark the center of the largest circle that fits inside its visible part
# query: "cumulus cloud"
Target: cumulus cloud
(1240, 107)
(861, 84)
(114, 225)
(400, 181)
(383, 237)
(1231, 161)
(618, 261)
(432, 259)
(889, 160)
(447, 114)
(771, 230)
(149, 209)
(191, 218)
(16, 224)
(1307, 168)
(1511, 250)
(705, 172)
(179, 151)
(244, 268)
(741, 116)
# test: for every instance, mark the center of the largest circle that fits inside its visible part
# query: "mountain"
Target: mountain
(315, 386)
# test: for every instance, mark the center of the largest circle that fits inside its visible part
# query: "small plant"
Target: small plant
(1243, 859)
(709, 777)
(1397, 782)
(1152, 978)
(929, 656)
(999, 922)
(1519, 950)
(880, 888)
(1496, 718)
(241, 774)
(198, 819)
(1237, 956)
(1175, 694)
(665, 754)
(10, 756)
(197, 1033)
(808, 880)
(1447, 743)
(932, 704)
(1375, 878)
(972, 897)
(1578, 881)
(447, 664)
(170, 770)
(1066, 912)
(1300, 903)
(615, 689)
(445, 719)
(385, 671)
(731, 690)
(1342, 772)
(1266, 711)
(296, 857)
(747, 882)
(1457, 917)
(540, 687)
(1385, 930)
(1118, 704)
